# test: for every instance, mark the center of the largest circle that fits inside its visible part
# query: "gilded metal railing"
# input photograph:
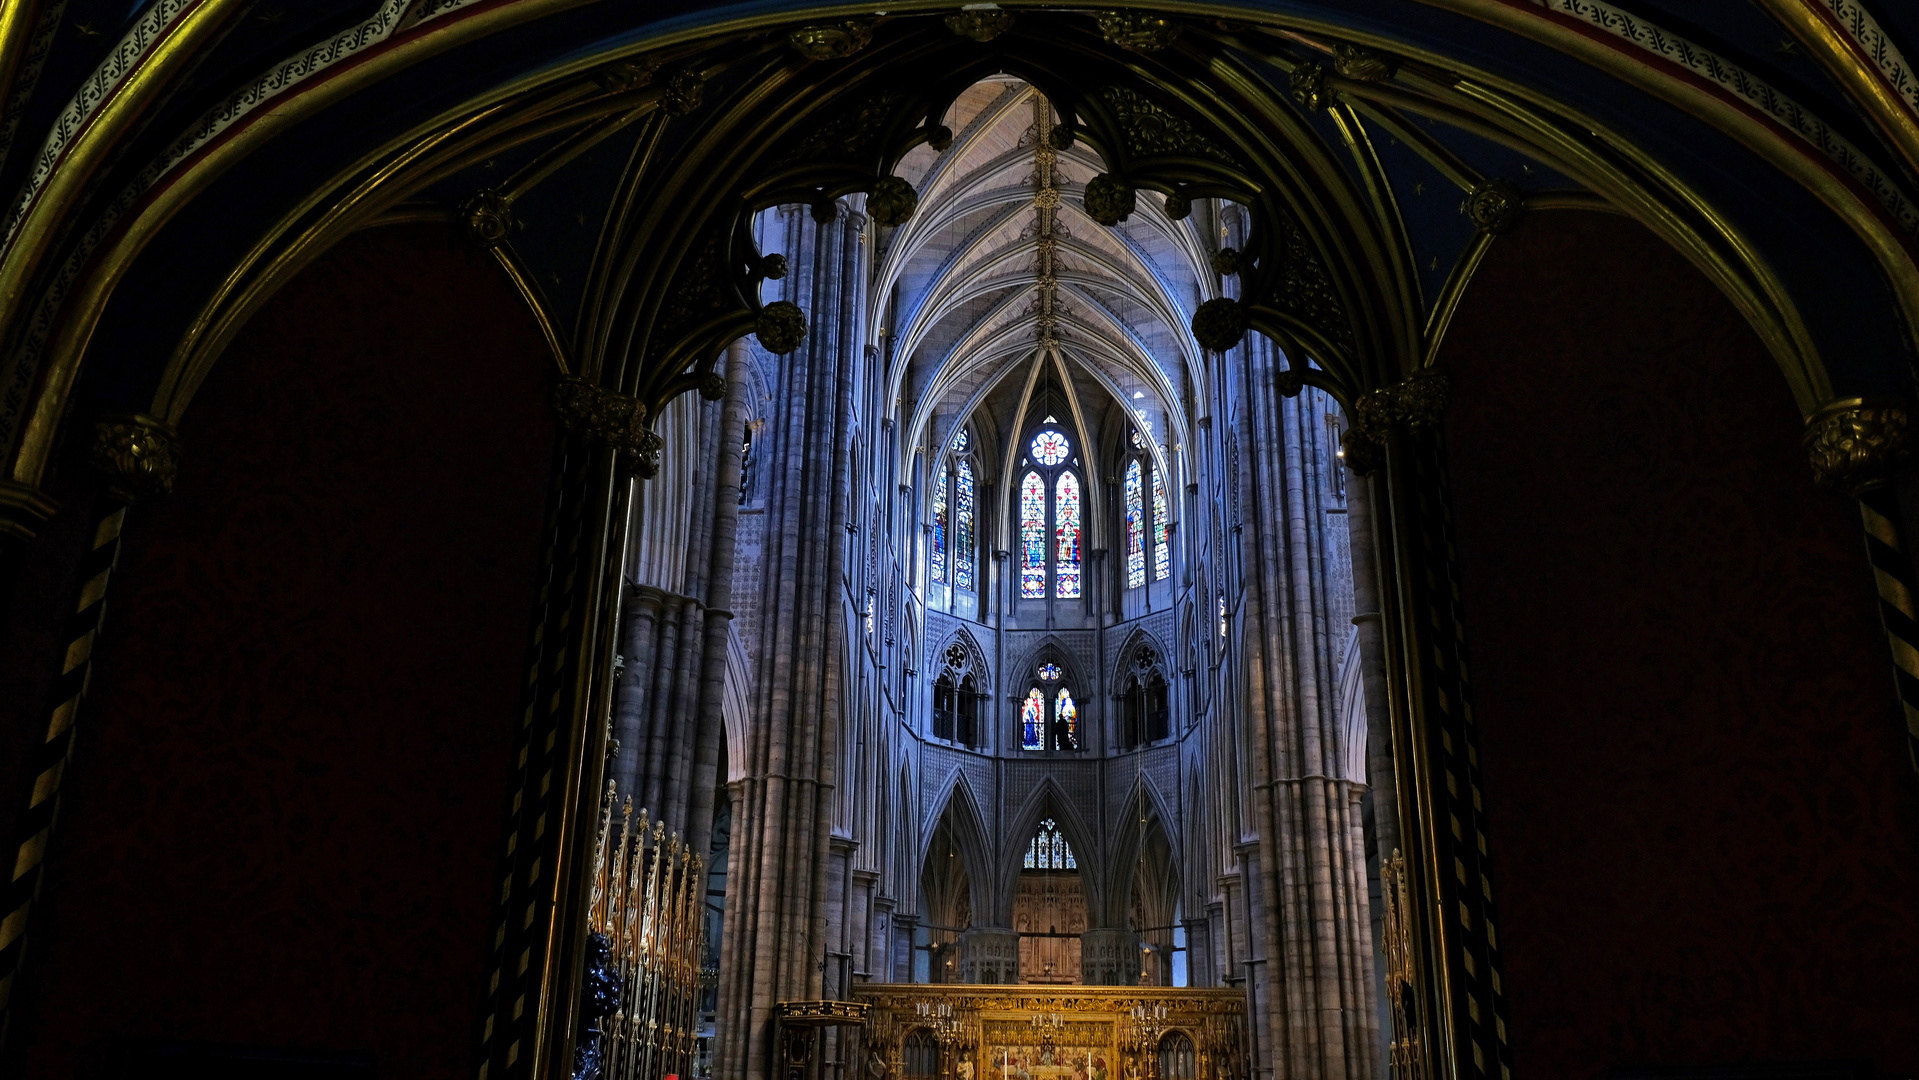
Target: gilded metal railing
(1407, 1061)
(640, 995)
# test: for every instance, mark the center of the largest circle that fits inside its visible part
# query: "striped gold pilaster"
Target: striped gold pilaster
(1856, 446)
(50, 758)
(1892, 572)
(523, 909)
(1458, 876)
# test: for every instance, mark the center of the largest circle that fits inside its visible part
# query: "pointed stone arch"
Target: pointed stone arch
(1146, 835)
(1048, 800)
(1125, 659)
(1023, 676)
(961, 820)
(969, 659)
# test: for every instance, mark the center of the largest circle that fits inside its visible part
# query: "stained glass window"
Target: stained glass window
(1138, 443)
(1032, 536)
(963, 525)
(1049, 672)
(1049, 849)
(939, 530)
(1222, 614)
(1066, 529)
(1135, 528)
(1162, 551)
(959, 440)
(1032, 715)
(1050, 448)
(1068, 713)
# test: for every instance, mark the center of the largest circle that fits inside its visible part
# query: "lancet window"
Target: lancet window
(1145, 715)
(1049, 849)
(1051, 505)
(953, 559)
(956, 699)
(1049, 714)
(1146, 519)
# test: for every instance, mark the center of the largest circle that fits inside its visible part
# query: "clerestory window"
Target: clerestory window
(1050, 520)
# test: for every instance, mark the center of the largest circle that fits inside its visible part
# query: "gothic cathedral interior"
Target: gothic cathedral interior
(1212, 540)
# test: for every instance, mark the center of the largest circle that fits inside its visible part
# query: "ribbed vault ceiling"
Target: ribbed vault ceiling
(983, 290)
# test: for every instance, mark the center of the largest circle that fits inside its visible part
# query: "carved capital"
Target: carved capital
(1495, 206)
(1853, 445)
(1137, 31)
(1308, 84)
(138, 454)
(982, 24)
(832, 41)
(1361, 453)
(609, 419)
(781, 327)
(892, 202)
(1219, 323)
(683, 92)
(1362, 64)
(1110, 200)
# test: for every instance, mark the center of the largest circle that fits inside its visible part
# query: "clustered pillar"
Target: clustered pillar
(667, 717)
(1316, 986)
(778, 940)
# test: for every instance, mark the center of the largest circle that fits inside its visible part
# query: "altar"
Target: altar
(1028, 1032)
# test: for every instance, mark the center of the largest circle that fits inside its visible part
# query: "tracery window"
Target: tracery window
(1049, 714)
(1141, 476)
(1050, 448)
(1066, 721)
(1032, 535)
(1049, 849)
(1051, 502)
(1066, 528)
(1032, 719)
(963, 521)
(939, 531)
(951, 554)
(1135, 525)
(1162, 551)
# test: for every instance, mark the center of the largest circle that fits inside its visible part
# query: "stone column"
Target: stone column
(1314, 920)
(778, 926)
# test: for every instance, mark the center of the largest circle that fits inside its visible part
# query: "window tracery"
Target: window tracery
(938, 554)
(1032, 533)
(1032, 716)
(1066, 528)
(1051, 502)
(963, 558)
(1162, 551)
(1135, 525)
(1049, 849)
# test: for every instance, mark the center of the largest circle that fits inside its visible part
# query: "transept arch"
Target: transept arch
(1047, 801)
(961, 823)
